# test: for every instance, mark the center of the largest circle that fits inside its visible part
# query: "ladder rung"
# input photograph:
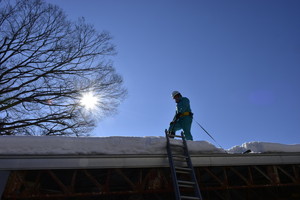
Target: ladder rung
(179, 136)
(181, 159)
(183, 169)
(179, 156)
(182, 172)
(172, 136)
(188, 197)
(180, 164)
(186, 186)
(186, 182)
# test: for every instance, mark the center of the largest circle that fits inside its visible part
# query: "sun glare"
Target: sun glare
(89, 101)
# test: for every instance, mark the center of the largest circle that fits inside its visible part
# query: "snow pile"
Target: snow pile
(39, 145)
(264, 147)
(55, 145)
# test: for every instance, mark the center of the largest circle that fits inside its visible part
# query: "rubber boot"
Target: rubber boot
(171, 134)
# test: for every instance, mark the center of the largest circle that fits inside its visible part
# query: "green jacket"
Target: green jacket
(183, 105)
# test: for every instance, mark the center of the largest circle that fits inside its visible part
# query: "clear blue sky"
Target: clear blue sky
(237, 61)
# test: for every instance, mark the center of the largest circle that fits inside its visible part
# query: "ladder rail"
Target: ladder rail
(189, 162)
(173, 171)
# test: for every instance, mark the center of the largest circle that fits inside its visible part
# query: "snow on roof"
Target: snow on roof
(265, 147)
(41, 145)
(59, 145)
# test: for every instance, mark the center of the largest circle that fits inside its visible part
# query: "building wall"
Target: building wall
(246, 182)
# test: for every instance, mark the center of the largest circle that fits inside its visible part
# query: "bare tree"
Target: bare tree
(46, 64)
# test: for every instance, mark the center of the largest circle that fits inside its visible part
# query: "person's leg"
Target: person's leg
(174, 127)
(186, 126)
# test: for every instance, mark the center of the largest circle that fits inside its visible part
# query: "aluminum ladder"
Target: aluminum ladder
(183, 174)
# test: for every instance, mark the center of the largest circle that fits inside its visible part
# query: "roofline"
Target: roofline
(40, 162)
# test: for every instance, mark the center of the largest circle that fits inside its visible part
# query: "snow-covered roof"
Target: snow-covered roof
(37, 152)
(38, 145)
(56, 145)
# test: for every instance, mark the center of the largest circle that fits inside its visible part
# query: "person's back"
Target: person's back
(183, 105)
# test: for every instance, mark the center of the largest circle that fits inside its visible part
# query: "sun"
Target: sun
(89, 101)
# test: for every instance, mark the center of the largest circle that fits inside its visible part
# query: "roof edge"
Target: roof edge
(40, 162)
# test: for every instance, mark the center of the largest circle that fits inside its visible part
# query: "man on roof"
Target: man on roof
(183, 117)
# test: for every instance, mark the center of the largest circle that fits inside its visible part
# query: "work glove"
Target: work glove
(177, 115)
